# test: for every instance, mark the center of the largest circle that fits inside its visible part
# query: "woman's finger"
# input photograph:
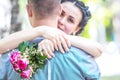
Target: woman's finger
(55, 44)
(64, 44)
(67, 40)
(45, 52)
(49, 50)
(60, 47)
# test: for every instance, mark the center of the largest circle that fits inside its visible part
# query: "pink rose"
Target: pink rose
(23, 63)
(26, 73)
(16, 67)
(14, 57)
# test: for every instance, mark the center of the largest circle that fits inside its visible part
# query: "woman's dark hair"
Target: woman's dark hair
(86, 15)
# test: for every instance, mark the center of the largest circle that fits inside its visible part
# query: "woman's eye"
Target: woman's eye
(71, 20)
(62, 14)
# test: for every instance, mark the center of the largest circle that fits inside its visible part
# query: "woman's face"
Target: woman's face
(69, 18)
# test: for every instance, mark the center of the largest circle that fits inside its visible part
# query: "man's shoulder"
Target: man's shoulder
(88, 63)
(80, 61)
(79, 51)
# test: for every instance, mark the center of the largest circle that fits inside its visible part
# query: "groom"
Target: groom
(74, 65)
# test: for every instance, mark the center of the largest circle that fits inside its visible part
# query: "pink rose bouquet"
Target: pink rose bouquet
(27, 60)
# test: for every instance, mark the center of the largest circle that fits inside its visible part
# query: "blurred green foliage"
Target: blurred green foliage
(101, 15)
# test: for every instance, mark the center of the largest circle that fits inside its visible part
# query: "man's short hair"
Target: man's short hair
(44, 8)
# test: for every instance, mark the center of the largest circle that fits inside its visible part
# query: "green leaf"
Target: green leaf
(43, 57)
(22, 46)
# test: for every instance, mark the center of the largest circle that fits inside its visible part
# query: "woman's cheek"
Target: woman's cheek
(68, 30)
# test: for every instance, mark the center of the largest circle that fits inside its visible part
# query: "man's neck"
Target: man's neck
(47, 22)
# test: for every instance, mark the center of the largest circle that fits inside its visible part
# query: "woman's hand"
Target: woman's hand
(58, 38)
(47, 47)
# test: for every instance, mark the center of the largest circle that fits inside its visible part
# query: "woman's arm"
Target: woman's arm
(93, 48)
(53, 34)
(12, 41)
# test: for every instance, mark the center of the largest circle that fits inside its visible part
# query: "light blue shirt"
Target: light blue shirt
(75, 65)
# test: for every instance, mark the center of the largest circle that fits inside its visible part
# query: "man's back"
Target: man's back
(75, 65)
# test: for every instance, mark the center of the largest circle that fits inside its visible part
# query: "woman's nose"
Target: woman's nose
(62, 21)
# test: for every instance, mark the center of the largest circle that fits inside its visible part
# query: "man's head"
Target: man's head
(43, 9)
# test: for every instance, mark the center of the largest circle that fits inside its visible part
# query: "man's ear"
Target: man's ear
(29, 11)
(60, 10)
